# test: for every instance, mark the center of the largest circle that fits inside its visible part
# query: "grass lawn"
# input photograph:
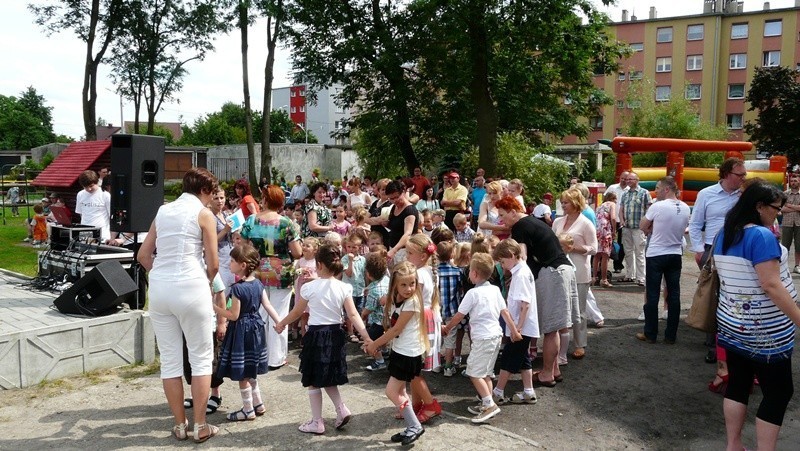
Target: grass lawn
(17, 256)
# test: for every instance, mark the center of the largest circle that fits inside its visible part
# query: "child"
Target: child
(323, 361)
(484, 304)
(522, 307)
(461, 258)
(334, 239)
(353, 264)
(375, 239)
(464, 233)
(450, 291)
(360, 227)
(421, 252)
(243, 355)
(438, 218)
(427, 222)
(372, 313)
(306, 271)
(406, 317)
(93, 204)
(39, 225)
(340, 224)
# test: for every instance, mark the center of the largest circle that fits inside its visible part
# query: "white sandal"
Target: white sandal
(179, 430)
(212, 431)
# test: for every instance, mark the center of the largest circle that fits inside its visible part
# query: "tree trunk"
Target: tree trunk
(269, 76)
(248, 113)
(89, 98)
(480, 91)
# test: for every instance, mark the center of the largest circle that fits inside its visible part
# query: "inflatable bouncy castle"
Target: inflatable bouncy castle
(690, 180)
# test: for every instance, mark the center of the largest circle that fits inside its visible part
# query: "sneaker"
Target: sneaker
(475, 409)
(449, 371)
(486, 414)
(375, 366)
(641, 317)
(524, 398)
(797, 269)
(28, 239)
(342, 416)
(501, 400)
(664, 315)
(438, 369)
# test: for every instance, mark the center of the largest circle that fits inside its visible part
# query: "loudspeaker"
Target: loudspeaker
(137, 181)
(99, 292)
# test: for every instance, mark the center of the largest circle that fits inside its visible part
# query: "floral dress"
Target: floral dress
(605, 235)
(324, 218)
(271, 239)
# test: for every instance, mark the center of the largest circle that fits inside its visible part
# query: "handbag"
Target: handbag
(703, 312)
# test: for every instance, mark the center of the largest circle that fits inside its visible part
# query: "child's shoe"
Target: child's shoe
(342, 416)
(313, 427)
(449, 371)
(524, 398)
(375, 366)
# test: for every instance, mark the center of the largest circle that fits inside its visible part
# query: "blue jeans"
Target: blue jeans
(668, 267)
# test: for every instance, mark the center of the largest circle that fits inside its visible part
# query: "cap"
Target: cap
(44, 199)
(53, 196)
(453, 175)
(548, 196)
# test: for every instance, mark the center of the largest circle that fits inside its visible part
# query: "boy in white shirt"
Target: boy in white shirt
(484, 304)
(521, 300)
(93, 204)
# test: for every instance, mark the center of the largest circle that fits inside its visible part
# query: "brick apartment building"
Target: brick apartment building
(709, 58)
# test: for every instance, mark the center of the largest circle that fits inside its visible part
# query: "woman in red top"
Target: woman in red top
(247, 202)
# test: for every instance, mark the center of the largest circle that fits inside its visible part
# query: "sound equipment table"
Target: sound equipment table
(79, 259)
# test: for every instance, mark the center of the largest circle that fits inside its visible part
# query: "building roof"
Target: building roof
(63, 172)
(105, 131)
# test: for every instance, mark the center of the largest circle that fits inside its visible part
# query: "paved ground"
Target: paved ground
(624, 395)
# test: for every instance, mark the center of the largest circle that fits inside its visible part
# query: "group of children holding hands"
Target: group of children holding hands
(407, 313)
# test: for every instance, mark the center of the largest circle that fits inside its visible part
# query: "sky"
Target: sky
(54, 66)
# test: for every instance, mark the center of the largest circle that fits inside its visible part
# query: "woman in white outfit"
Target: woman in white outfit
(278, 242)
(184, 234)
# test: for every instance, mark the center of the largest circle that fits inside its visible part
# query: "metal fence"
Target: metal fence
(228, 168)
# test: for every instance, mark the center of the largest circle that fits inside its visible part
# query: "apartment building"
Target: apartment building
(709, 58)
(322, 117)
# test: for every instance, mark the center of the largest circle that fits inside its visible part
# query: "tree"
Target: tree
(25, 122)
(516, 63)
(96, 22)
(775, 94)
(227, 126)
(363, 45)
(158, 39)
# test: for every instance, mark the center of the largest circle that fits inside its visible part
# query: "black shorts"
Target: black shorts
(515, 356)
(374, 331)
(404, 368)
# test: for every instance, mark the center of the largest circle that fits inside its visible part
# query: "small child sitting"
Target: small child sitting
(485, 305)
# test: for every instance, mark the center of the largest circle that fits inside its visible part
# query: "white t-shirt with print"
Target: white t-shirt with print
(483, 304)
(408, 343)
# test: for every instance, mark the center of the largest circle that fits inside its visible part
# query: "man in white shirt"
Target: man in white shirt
(299, 191)
(665, 222)
(619, 189)
(93, 204)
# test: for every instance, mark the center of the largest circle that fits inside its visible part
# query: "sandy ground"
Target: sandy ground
(624, 395)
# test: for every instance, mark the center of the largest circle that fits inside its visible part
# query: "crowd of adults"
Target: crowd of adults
(567, 255)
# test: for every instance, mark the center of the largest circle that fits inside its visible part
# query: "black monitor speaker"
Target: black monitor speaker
(137, 181)
(99, 292)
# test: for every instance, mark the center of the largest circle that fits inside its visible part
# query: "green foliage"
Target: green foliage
(47, 159)
(173, 189)
(160, 130)
(25, 121)
(518, 158)
(226, 126)
(775, 94)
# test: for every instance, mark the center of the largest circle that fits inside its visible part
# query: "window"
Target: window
(632, 104)
(620, 104)
(736, 91)
(735, 121)
(596, 122)
(337, 125)
(664, 64)
(664, 34)
(303, 93)
(773, 27)
(302, 109)
(739, 31)
(294, 110)
(636, 75)
(293, 93)
(694, 32)
(663, 93)
(621, 76)
(738, 60)
(772, 58)
(694, 62)
(637, 46)
(693, 92)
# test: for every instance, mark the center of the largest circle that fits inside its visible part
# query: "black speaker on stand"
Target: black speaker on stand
(100, 292)
(137, 191)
